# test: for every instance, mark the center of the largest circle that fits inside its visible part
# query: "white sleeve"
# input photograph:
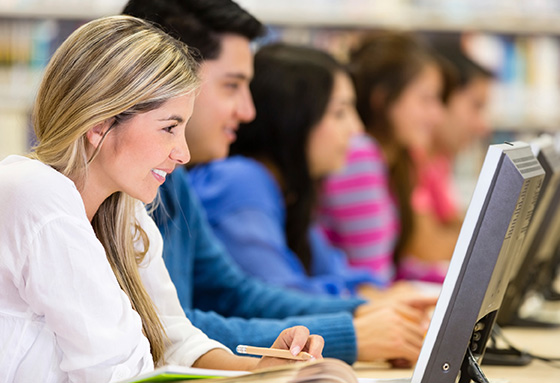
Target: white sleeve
(72, 286)
(188, 343)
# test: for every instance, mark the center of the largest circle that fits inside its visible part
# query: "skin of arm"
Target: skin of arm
(437, 219)
(433, 240)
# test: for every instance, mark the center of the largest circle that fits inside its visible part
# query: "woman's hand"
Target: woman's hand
(295, 339)
(389, 331)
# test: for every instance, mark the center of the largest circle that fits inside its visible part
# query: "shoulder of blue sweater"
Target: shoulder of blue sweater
(234, 166)
(175, 198)
(176, 185)
(233, 183)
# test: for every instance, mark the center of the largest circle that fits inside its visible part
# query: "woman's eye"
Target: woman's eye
(232, 85)
(169, 129)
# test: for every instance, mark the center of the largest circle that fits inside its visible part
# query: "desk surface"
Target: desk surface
(544, 342)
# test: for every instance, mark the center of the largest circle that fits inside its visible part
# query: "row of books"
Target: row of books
(527, 66)
(31, 42)
(526, 93)
(26, 46)
(539, 7)
(57, 4)
(466, 7)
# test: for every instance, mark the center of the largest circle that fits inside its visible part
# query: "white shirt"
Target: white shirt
(63, 316)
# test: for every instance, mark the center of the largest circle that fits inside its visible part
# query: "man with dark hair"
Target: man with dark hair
(199, 24)
(216, 295)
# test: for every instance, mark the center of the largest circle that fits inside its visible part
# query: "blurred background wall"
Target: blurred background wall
(519, 40)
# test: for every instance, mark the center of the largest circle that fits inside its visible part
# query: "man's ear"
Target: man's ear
(95, 135)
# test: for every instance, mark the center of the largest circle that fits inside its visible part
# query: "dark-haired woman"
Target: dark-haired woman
(437, 214)
(260, 201)
(367, 210)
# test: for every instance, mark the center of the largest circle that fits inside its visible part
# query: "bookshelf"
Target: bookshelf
(513, 17)
(59, 9)
(520, 40)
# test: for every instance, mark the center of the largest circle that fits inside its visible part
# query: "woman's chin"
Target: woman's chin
(146, 198)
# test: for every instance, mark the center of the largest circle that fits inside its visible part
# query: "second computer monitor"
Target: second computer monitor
(541, 242)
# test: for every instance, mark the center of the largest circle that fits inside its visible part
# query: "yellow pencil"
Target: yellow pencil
(272, 352)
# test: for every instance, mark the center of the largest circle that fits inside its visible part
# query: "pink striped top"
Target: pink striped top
(358, 213)
(434, 194)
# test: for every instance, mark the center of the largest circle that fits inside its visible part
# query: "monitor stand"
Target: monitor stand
(532, 322)
(506, 356)
(551, 295)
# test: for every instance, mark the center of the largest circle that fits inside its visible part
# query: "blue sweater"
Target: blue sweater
(246, 209)
(223, 301)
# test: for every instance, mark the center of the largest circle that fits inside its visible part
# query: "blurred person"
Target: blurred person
(467, 96)
(216, 295)
(366, 209)
(438, 218)
(305, 117)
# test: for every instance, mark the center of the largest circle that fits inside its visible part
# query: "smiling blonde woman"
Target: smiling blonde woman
(85, 293)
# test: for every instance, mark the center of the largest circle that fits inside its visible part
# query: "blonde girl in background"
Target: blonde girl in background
(85, 293)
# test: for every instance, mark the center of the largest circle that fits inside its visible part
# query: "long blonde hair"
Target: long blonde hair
(110, 69)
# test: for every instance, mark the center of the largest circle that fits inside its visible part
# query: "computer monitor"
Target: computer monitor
(490, 239)
(551, 291)
(548, 284)
(547, 281)
(541, 243)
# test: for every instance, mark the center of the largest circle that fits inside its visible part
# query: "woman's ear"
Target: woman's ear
(95, 135)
